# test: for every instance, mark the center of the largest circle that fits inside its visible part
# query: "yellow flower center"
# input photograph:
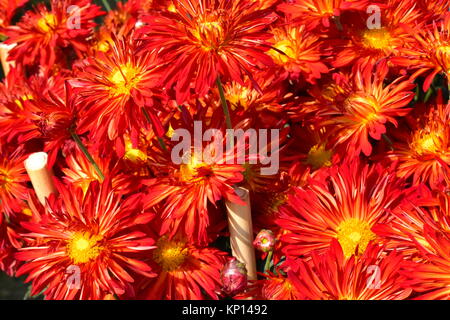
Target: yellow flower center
(172, 8)
(377, 39)
(125, 78)
(170, 255)
(285, 46)
(83, 247)
(238, 98)
(134, 155)
(4, 180)
(189, 170)
(47, 22)
(27, 212)
(353, 233)
(319, 157)
(239, 95)
(102, 46)
(209, 33)
(444, 49)
(427, 143)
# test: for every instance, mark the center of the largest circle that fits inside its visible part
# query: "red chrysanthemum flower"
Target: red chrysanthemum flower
(114, 87)
(204, 39)
(363, 107)
(298, 52)
(342, 202)
(15, 91)
(186, 189)
(430, 52)
(363, 46)
(85, 246)
(426, 156)
(37, 108)
(43, 34)
(376, 275)
(185, 272)
(244, 100)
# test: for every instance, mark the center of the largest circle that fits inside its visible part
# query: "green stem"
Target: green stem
(224, 103)
(106, 5)
(83, 149)
(27, 294)
(160, 140)
(7, 219)
(268, 260)
(388, 140)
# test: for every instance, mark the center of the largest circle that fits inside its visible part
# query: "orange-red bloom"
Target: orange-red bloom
(42, 35)
(342, 202)
(430, 52)
(368, 41)
(376, 275)
(85, 246)
(200, 40)
(37, 108)
(426, 155)
(133, 110)
(298, 52)
(362, 106)
(185, 272)
(114, 87)
(185, 190)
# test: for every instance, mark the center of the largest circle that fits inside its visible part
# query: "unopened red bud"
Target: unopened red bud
(234, 277)
(264, 241)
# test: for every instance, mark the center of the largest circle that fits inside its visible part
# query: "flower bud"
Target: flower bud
(264, 241)
(234, 277)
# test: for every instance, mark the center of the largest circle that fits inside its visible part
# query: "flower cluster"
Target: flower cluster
(356, 92)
